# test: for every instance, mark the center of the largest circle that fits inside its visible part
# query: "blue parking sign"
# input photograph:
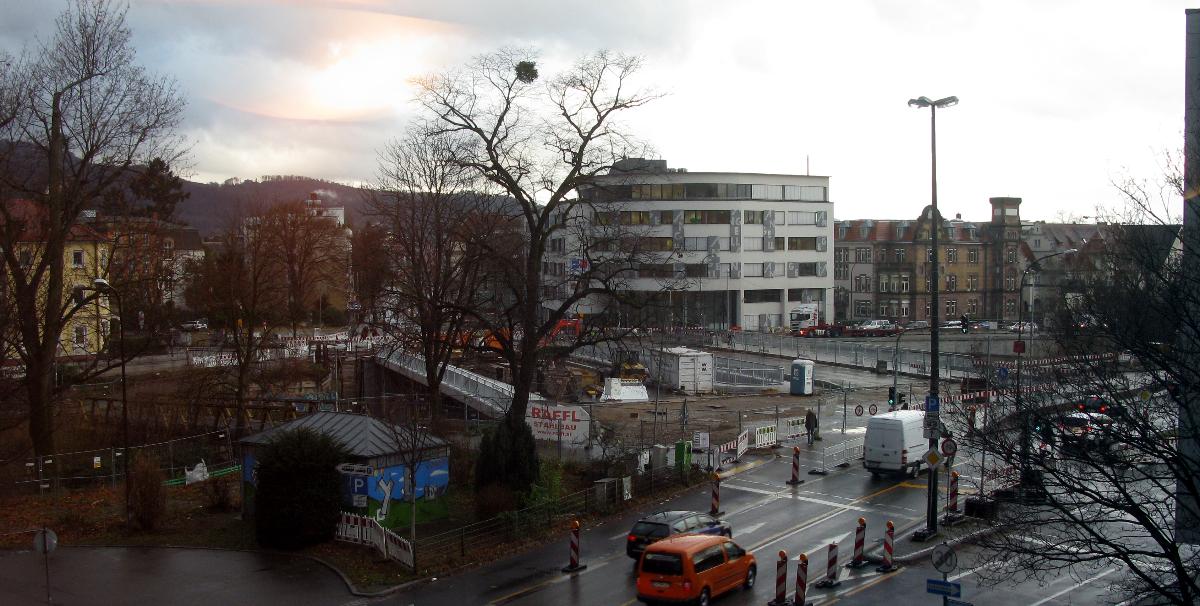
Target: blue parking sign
(932, 404)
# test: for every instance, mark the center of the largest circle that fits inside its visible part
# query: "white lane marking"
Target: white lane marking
(751, 528)
(784, 494)
(748, 489)
(973, 571)
(618, 536)
(1074, 587)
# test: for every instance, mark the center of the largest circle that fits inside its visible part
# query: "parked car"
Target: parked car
(894, 442)
(1028, 327)
(1100, 404)
(663, 524)
(917, 325)
(191, 325)
(1086, 430)
(693, 569)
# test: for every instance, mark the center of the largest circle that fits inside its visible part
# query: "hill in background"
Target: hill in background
(212, 207)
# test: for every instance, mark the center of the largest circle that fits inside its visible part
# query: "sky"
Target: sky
(1059, 99)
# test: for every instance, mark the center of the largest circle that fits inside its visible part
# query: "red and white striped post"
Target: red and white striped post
(831, 572)
(801, 580)
(888, 538)
(860, 539)
(795, 481)
(574, 565)
(781, 581)
(716, 495)
(952, 500)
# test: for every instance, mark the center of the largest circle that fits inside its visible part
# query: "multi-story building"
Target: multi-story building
(727, 249)
(882, 267)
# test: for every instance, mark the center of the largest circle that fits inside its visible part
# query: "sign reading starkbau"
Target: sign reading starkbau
(549, 421)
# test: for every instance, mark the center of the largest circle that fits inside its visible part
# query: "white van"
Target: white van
(895, 442)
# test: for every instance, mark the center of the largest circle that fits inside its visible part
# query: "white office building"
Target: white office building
(739, 248)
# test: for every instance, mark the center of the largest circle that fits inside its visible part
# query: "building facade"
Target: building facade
(723, 249)
(882, 268)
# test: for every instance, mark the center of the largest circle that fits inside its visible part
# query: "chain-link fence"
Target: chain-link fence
(107, 465)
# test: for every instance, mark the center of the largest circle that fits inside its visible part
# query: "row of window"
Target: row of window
(705, 217)
(697, 244)
(724, 270)
(722, 191)
(900, 282)
(898, 255)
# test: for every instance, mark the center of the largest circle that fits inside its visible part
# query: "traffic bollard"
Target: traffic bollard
(781, 581)
(888, 538)
(795, 481)
(952, 501)
(801, 580)
(574, 565)
(860, 539)
(831, 572)
(715, 510)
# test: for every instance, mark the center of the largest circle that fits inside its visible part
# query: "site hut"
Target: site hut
(376, 482)
(735, 249)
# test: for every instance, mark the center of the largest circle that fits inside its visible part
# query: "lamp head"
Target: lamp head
(946, 102)
(101, 285)
(920, 102)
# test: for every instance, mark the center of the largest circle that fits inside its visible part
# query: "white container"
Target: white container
(682, 369)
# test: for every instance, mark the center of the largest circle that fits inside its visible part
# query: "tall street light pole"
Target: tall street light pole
(1030, 485)
(932, 406)
(102, 286)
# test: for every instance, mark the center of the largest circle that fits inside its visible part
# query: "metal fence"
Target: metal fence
(481, 539)
(732, 371)
(90, 467)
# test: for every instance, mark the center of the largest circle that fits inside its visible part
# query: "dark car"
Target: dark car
(1101, 405)
(663, 524)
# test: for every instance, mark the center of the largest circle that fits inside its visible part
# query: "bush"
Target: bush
(298, 497)
(218, 492)
(507, 455)
(147, 494)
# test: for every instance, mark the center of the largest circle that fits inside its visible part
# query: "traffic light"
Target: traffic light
(891, 396)
(964, 323)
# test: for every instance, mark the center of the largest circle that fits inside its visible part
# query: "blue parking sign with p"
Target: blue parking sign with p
(932, 404)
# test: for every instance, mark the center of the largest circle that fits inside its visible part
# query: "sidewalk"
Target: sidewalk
(148, 575)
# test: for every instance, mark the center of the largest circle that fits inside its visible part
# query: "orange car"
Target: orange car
(693, 569)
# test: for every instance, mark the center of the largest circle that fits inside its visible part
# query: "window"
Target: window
(862, 255)
(804, 218)
(780, 217)
(862, 309)
(952, 255)
(904, 309)
(862, 283)
(680, 526)
(899, 255)
(841, 255)
(77, 259)
(753, 217)
(973, 255)
(973, 282)
(841, 271)
(972, 307)
(883, 284)
(779, 243)
(802, 244)
(734, 551)
(765, 295)
(1010, 307)
(666, 217)
(26, 259)
(708, 559)
(1010, 282)
(1010, 255)
(635, 217)
(752, 244)
(951, 283)
(752, 270)
(659, 244)
(706, 217)
(805, 269)
(883, 309)
(81, 333)
(951, 307)
(904, 283)
(662, 563)
(604, 218)
(1037, 243)
(928, 254)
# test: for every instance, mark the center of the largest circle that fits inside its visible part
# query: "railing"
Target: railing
(840, 455)
(488, 395)
(731, 371)
(364, 530)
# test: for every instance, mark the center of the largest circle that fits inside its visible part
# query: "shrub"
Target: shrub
(298, 498)
(147, 494)
(507, 455)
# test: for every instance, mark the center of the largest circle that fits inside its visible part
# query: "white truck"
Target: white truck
(895, 443)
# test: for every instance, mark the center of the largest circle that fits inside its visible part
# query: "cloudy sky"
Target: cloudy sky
(1059, 98)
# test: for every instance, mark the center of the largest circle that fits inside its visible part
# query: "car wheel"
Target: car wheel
(751, 576)
(703, 599)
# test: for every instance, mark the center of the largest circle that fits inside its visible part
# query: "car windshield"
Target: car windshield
(662, 563)
(1075, 421)
(650, 530)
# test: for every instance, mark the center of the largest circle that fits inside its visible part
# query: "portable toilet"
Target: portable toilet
(802, 377)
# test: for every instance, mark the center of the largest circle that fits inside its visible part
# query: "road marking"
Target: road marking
(749, 489)
(1074, 587)
(840, 509)
(618, 536)
(751, 528)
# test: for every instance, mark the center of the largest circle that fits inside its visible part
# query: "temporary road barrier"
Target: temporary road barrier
(801, 580)
(860, 539)
(715, 510)
(831, 573)
(888, 563)
(838, 455)
(366, 530)
(574, 565)
(795, 481)
(781, 581)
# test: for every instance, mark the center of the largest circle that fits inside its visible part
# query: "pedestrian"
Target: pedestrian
(810, 425)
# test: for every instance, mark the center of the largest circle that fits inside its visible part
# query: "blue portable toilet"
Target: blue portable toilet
(802, 377)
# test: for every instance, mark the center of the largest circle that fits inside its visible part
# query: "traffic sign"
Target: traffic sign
(946, 588)
(45, 541)
(932, 404)
(873, 409)
(933, 458)
(858, 410)
(1002, 374)
(949, 447)
(944, 559)
(1144, 395)
(355, 469)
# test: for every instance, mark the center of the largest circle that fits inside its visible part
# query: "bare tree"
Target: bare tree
(424, 200)
(1110, 489)
(536, 143)
(311, 249)
(84, 113)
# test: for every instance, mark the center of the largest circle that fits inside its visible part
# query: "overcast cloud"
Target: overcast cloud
(1058, 98)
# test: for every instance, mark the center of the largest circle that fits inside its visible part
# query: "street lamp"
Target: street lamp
(930, 529)
(102, 286)
(1028, 482)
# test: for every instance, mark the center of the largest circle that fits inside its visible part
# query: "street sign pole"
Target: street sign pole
(932, 424)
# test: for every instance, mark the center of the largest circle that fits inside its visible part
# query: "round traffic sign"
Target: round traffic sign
(949, 447)
(858, 410)
(45, 541)
(1144, 395)
(873, 409)
(944, 559)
